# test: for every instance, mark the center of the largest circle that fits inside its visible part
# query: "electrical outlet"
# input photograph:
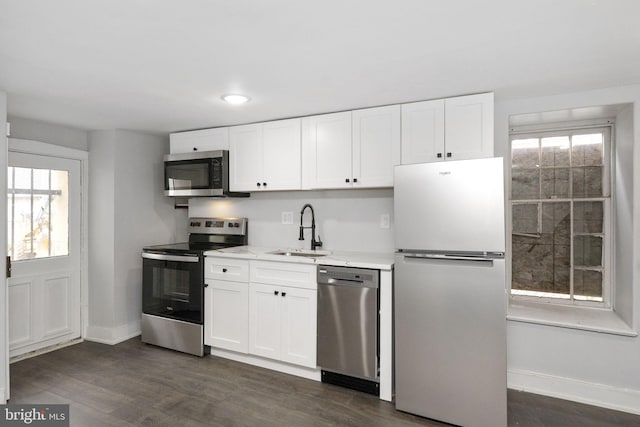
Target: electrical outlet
(384, 221)
(287, 217)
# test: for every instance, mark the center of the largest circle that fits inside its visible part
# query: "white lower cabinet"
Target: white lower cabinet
(275, 319)
(282, 323)
(226, 315)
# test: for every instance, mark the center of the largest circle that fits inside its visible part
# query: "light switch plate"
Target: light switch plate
(287, 217)
(384, 221)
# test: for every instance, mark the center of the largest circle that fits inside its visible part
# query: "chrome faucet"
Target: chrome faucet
(314, 244)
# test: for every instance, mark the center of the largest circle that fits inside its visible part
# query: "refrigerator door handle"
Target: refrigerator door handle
(449, 257)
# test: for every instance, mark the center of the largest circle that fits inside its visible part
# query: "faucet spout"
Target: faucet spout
(314, 244)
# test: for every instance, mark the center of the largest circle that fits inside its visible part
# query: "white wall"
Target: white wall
(127, 211)
(101, 233)
(51, 133)
(591, 367)
(4, 350)
(143, 216)
(346, 220)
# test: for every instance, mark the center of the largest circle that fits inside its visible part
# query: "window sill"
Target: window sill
(584, 318)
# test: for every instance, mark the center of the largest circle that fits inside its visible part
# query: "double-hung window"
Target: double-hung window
(560, 215)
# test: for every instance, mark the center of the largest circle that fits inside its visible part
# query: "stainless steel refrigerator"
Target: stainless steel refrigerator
(449, 292)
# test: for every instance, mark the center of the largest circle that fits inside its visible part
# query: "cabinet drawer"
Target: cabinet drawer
(283, 274)
(235, 270)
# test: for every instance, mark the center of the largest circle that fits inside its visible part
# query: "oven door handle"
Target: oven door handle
(165, 257)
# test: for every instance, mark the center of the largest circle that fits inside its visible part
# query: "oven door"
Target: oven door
(173, 286)
(195, 177)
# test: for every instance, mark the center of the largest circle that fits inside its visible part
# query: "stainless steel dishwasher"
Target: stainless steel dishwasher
(348, 322)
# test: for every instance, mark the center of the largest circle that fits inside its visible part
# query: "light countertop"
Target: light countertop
(379, 261)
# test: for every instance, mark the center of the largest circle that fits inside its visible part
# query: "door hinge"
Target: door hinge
(8, 267)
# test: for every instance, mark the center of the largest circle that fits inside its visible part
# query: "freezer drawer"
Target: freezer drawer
(348, 322)
(450, 339)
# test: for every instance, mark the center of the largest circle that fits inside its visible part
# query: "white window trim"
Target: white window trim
(583, 315)
(607, 220)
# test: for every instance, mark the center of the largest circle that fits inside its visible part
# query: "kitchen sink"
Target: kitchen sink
(300, 252)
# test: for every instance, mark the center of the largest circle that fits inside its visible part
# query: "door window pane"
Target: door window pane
(38, 213)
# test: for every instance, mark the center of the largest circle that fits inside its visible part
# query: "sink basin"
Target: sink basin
(300, 252)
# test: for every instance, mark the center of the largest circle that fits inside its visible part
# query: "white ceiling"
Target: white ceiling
(161, 65)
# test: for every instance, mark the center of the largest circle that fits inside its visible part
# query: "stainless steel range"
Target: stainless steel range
(173, 284)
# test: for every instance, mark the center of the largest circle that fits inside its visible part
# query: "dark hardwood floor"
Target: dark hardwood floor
(135, 384)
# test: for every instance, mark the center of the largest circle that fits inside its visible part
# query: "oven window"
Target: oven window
(172, 289)
(187, 175)
(169, 284)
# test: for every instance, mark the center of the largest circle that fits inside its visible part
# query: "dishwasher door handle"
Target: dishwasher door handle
(347, 282)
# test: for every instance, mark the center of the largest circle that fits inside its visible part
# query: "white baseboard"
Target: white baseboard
(619, 399)
(112, 336)
(274, 365)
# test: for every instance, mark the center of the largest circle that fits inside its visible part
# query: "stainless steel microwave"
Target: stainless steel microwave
(198, 174)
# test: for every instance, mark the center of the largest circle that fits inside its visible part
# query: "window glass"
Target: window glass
(38, 213)
(559, 195)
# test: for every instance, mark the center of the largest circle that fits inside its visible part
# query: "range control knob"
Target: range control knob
(237, 225)
(230, 225)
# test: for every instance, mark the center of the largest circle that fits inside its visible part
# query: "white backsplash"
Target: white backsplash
(346, 220)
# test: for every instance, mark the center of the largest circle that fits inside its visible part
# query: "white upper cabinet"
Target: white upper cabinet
(422, 131)
(376, 145)
(265, 156)
(245, 158)
(281, 153)
(469, 127)
(199, 140)
(354, 149)
(448, 129)
(326, 151)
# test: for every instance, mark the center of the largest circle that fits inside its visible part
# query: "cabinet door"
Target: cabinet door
(281, 150)
(245, 158)
(227, 315)
(326, 151)
(299, 326)
(199, 140)
(423, 132)
(469, 127)
(264, 320)
(376, 146)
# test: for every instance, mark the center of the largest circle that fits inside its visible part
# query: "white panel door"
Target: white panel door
(376, 145)
(199, 140)
(299, 326)
(44, 244)
(264, 320)
(245, 158)
(469, 127)
(227, 315)
(20, 312)
(423, 132)
(281, 155)
(326, 151)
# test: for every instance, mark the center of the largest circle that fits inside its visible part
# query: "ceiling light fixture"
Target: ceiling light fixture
(235, 98)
